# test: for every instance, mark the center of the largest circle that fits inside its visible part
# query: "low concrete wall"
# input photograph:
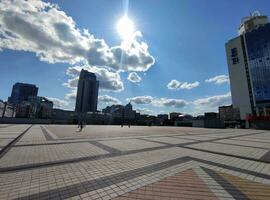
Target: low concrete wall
(24, 121)
(183, 123)
(198, 123)
(260, 124)
(213, 123)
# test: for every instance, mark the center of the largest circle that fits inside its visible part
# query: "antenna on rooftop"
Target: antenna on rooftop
(256, 13)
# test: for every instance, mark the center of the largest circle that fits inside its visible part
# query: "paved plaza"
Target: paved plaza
(110, 162)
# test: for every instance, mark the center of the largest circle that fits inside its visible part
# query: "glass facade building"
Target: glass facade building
(258, 50)
(87, 92)
(248, 58)
(21, 92)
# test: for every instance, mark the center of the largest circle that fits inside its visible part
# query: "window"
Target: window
(235, 60)
(234, 55)
(234, 52)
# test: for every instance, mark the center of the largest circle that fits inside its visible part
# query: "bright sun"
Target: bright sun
(125, 28)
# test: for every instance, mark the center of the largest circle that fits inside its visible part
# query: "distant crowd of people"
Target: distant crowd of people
(82, 124)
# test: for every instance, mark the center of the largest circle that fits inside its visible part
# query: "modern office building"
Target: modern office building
(125, 111)
(248, 57)
(87, 92)
(228, 113)
(21, 92)
(35, 107)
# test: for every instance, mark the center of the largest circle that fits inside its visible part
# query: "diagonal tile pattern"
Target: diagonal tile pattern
(266, 156)
(109, 162)
(251, 189)
(183, 185)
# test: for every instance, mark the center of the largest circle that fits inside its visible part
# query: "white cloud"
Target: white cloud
(177, 103)
(218, 80)
(141, 99)
(108, 80)
(72, 82)
(213, 102)
(176, 85)
(145, 111)
(106, 99)
(42, 28)
(134, 77)
(71, 95)
(58, 103)
(132, 55)
(173, 84)
(197, 106)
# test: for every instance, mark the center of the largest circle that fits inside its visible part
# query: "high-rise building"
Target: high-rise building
(87, 92)
(248, 57)
(21, 92)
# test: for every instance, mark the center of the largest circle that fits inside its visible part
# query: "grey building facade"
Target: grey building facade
(248, 57)
(21, 92)
(87, 92)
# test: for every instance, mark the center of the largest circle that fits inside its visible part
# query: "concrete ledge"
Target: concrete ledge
(24, 121)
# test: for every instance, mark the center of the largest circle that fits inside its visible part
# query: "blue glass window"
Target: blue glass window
(258, 47)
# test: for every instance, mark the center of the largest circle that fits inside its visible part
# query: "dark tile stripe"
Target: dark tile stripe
(119, 153)
(186, 137)
(244, 171)
(198, 141)
(241, 145)
(227, 154)
(185, 133)
(247, 140)
(223, 138)
(159, 142)
(105, 147)
(12, 142)
(51, 164)
(46, 134)
(201, 141)
(259, 138)
(48, 144)
(266, 157)
(74, 160)
(64, 140)
(184, 145)
(88, 186)
(231, 189)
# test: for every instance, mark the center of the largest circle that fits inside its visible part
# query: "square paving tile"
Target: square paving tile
(106, 162)
(130, 144)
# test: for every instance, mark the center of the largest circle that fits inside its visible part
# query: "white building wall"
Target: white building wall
(238, 79)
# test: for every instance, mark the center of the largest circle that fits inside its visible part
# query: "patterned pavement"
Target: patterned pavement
(110, 162)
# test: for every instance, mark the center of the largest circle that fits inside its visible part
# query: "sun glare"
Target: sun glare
(125, 28)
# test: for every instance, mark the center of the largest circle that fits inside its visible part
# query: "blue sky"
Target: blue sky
(185, 39)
